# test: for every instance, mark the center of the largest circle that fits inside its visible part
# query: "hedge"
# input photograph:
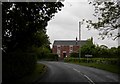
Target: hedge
(115, 61)
(48, 56)
(17, 65)
(52, 56)
(74, 54)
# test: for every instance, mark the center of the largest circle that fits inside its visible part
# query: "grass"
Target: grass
(39, 71)
(107, 67)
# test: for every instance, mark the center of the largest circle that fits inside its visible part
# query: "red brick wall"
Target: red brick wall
(64, 48)
(75, 48)
(54, 49)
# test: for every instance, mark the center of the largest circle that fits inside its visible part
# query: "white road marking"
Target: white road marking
(89, 79)
(65, 63)
(84, 75)
(76, 70)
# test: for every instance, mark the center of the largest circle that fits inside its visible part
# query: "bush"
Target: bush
(17, 65)
(41, 52)
(42, 55)
(52, 56)
(113, 61)
(76, 55)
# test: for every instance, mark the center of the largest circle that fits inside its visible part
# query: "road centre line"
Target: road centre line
(89, 79)
(76, 70)
(84, 75)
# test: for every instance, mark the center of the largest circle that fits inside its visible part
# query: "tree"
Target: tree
(24, 24)
(108, 15)
(24, 27)
(113, 51)
(101, 51)
(103, 47)
(41, 52)
(118, 51)
(88, 48)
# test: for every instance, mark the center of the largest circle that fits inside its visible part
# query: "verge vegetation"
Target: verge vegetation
(34, 76)
(100, 57)
(108, 64)
(23, 32)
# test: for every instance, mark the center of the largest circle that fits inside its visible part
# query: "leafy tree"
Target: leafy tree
(24, 24)
(41, 52)
(88, 48)
(74, 54)
(108, 15)
(103, 47)
(113, 51)
(118, 51)
(24, 27)
(101, 51)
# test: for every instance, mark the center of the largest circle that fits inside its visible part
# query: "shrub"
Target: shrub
(74, 54)
(113, 61)
(17, 65)
(41, 52)
(47, 56)
(52, 56)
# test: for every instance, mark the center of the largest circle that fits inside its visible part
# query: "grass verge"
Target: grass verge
(107, 67)
(30, 79)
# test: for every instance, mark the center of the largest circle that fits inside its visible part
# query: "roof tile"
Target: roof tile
(69, 42)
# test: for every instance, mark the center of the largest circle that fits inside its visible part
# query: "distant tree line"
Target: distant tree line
(97, 51)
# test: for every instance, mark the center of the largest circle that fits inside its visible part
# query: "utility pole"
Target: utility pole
(79, 39)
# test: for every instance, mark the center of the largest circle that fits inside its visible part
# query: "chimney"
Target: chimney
(76, 40)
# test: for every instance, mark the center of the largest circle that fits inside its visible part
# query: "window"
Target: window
(71, 48)
(58, 49)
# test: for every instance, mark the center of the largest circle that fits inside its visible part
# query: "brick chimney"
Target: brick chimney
(76, 40)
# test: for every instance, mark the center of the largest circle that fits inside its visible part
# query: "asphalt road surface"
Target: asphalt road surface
(67, 72)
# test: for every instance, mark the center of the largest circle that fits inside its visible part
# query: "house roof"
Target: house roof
(69, 42)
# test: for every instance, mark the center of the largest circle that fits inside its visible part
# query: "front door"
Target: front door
(64, 55)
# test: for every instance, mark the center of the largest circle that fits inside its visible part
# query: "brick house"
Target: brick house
(64, 47)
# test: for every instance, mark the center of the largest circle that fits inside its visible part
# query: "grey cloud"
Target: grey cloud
(65, 24)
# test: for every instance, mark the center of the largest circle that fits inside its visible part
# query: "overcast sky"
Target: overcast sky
(64, 25)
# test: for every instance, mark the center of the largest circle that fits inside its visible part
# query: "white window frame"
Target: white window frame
(71, 48)
(58, 49)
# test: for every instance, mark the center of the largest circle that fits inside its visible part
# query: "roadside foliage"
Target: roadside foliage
(24, 27)
(113, 61)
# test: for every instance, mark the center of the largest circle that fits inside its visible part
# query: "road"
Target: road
(67, 72)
